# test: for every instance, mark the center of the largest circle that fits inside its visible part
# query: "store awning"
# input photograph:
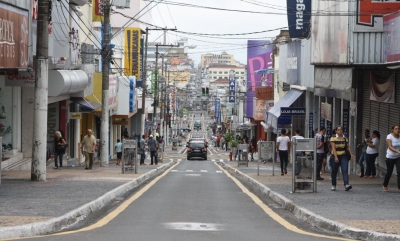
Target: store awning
(273, 117)
(85, 105)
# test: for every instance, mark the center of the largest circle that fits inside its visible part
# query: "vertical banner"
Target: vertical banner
(311, 125)
(232, 88)
(153, 81)
(132, 52)
(346, 122)
(98, 11)
(217, 108)
(259, 56)
(299, 18)
(328, 129)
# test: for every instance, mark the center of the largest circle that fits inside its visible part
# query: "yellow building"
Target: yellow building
(223, 58)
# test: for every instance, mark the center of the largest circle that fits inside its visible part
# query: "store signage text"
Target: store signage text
(292, 111)
(14, 36)
(368, 10)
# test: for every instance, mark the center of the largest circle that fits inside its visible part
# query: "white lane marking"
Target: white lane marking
(189, 170)
(218, 171)
(221, 160)
(174, 170)
(194, 226)
(179, 160)
(203, 171)
(193, 175)
(213, 160)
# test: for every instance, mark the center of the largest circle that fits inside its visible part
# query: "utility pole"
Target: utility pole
(38, 168)
(105, 55)
(155, 103)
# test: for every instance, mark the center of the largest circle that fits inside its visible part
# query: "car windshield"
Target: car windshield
(196, 145)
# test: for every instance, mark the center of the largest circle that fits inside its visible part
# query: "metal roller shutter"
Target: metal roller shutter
(378, 115)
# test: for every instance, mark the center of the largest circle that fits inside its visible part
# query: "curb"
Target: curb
(73, 217)
(323, 223)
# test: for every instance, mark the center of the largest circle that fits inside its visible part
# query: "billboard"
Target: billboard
(299, 16)
(14, 37)
(369, 17)
(391, 25)
(132, 52)
(329, 44)
(259, 56)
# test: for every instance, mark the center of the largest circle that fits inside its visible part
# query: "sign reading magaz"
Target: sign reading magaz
(14, 37)
(299, 17)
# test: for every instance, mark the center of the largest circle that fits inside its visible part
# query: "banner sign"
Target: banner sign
(98, 11)
(311, 126)
(259, 57)
(132, 52)
(292, 111)
(346, 122)
(217, 108)
(299, 17)
(391, 25)
(23, 79)
(153, 81)
(14, 37)
(383, 90)
(232, 88)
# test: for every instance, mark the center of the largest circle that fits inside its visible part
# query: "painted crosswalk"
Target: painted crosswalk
(193, 171)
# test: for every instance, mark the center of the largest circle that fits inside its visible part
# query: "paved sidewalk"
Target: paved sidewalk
(24, 202)
(364, 207)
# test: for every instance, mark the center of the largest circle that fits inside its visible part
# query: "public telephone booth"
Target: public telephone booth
(129, 156)
(304, 163)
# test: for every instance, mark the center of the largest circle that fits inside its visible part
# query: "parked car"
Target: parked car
(196, 148)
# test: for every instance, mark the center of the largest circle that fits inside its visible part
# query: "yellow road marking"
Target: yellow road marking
(274, 215)
(111, 215)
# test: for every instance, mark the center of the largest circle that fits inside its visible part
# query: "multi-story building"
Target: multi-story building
(223, 58)
(222, 71)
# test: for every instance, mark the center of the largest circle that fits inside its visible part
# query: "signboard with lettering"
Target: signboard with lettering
(305, 144)
(98, 11)
(75, 115)
(232, 89)
(24, 79)
(329, 129)
(346, 122)
(292, 111)
(370, 14)
(132, 52)
(299, 17)
(14, 37)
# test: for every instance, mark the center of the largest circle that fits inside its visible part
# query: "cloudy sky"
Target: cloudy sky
(193, 19)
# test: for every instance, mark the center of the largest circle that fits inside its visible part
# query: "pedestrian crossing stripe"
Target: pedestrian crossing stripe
(204, 171)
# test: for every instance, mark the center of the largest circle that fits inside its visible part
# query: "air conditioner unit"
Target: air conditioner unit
(122, 3)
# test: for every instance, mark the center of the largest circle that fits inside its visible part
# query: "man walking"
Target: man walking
(153, 146)
(142, 146)
(88, 148)
(320, 141)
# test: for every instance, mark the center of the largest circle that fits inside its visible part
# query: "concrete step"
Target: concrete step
(21, 165)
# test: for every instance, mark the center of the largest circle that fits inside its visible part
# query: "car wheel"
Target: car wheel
(188, 158)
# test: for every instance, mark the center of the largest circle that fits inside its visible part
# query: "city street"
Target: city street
(195, 200)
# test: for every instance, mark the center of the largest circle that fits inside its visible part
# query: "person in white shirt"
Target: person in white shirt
(283, 147)
(392, 156)
(372, 153)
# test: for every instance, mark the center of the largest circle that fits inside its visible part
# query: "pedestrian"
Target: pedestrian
(218, 140)
(222, 142)
(59, 146)
(126, 133)
(320, 141)
(88, 148)
(118, 149)
(372, 153)
(283, 148)
(153, 146)
(392, 157)
(253, 147)
(363, 156)
(297, 135)
(340, 145)
(142, 147)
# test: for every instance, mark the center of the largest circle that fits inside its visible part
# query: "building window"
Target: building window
(215, 72)
(226, 72)
(220, 72)
(242, 72)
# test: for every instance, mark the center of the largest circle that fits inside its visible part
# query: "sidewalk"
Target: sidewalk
(66, 197)
(364, 207)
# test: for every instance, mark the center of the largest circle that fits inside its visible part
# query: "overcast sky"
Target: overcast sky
(198, 20)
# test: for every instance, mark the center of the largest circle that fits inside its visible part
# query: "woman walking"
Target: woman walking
(283, 147)
(392, 156)
(372, 154)
(60, 146)
(340, 145)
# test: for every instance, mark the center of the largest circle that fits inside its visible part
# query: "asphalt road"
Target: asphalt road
(194, 200)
